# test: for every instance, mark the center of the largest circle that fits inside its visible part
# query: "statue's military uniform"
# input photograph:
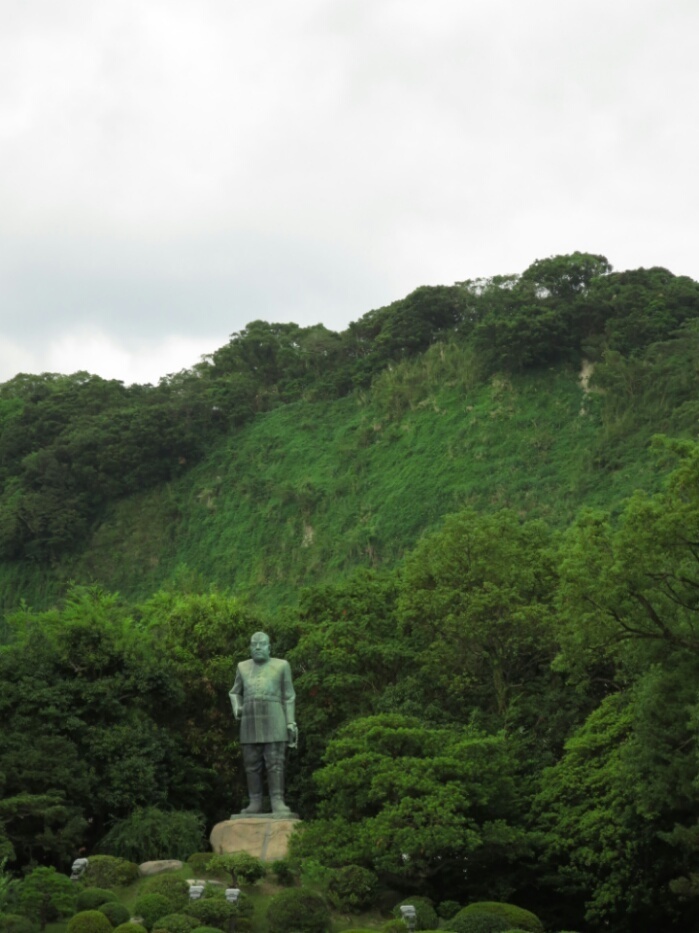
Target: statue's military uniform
(265, 694)
(263, 698)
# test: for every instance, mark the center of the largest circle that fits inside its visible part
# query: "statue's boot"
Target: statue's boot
(255, 793)
(275, 779)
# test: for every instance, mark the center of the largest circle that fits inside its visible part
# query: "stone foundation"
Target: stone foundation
(266, 837)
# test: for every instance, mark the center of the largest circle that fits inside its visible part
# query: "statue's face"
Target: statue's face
(259, 648)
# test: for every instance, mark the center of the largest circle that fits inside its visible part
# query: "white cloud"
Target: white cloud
(181, 168)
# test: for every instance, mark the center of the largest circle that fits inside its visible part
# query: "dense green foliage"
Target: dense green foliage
(299, 909)
(484, 572)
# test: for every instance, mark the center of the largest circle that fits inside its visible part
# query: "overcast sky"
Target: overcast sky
(171, 170)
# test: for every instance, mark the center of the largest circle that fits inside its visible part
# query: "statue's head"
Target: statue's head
(259, 647)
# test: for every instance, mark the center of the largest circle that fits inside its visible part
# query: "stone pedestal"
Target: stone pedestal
(266, 837)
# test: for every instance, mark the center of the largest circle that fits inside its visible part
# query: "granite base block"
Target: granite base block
(266, 837)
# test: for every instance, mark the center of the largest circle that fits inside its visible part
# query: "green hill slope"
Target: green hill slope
(296, 455)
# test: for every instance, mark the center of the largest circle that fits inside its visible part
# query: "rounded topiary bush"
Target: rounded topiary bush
(206, 930)
(176, 890)
(108, 871)
(284, 871)
(115, 912)
(516, 917)
(129, 928)
(244, 868)
(176, 923)
(92, 898)
(150, 907)
(16, 923)
(89, 921)
(427, 918)
(448, 909)
(300, 910)
(477, 921)
(211, 912)
(352, 888)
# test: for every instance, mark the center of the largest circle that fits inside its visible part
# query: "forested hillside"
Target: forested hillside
(470, 522)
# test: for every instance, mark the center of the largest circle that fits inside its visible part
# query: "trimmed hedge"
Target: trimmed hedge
(477, 921)
(115, 912)
(211, 912)
(89, 921)
(150, 907)
(108, 871)
(300, 910)
(427, 918)
(92, 898)
(129, 928)
(176, 890)
(516, 917)
(176, 923)
(245, 868)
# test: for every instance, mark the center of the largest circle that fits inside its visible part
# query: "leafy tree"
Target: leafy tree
(421, 801)
(45, 893)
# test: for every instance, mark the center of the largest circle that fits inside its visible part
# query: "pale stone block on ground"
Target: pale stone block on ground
(265, 837)
(156, 867)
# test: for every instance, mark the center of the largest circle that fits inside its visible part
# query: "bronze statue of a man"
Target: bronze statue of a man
(263, 701)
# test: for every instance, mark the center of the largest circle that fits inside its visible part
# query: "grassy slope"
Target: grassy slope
(311, 490)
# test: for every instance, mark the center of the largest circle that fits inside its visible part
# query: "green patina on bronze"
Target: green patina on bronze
(263, 700)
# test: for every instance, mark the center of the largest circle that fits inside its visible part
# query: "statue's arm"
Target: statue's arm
(236, 694)
(288, 696)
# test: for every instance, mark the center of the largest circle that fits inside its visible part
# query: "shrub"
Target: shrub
(353, 888)
(211, 912)
(92, 898)
(115, 912)
(149, 833)
(106, 871)
(89, 921)
(448, 909)
(515, 916)
(284, 871)
(206, 930)
(298, 909)
(176, 923)
(245, 868)
(176, 890)
(198, 862)
(129, 928)
(394, 926)
(427, 918)
(150, 907)
(14, 923)
(477, 921)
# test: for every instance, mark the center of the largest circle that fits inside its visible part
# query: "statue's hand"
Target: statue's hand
(292, 732)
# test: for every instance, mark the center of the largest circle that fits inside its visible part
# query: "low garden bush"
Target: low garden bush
(517, 917)
(448, 909)
(352, 888)
(115, 912)
(176, 923)
(107, 871)
(211, 912)
(284, 871)
(129, 928)
(92, 898)
(89, 921)
(244, 868)
(150, 907)
(427, 918)
(477, 921)
(15, 923)
(300, 910)
(176, 890)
